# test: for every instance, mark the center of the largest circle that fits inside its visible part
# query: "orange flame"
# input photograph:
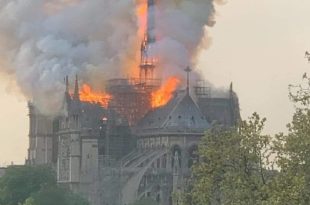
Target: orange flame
(141, 12)
(89, 95)
(131, 62)
(162, 96)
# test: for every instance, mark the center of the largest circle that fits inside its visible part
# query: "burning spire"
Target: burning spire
(49, 56)
(147, 64)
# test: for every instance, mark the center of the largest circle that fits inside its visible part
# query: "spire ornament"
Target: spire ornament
(76, 95)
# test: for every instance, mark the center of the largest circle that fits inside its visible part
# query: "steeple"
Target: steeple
(76, 95)
(231, 90)
(187, 70)
(147, 64)
(67, 93)
(67, 84)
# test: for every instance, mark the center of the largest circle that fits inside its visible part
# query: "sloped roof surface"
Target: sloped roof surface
(181, 114)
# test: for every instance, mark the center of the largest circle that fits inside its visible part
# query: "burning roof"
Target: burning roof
(46, 40)
(181, 114)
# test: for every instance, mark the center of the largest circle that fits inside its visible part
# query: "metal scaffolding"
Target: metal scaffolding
(131, 97)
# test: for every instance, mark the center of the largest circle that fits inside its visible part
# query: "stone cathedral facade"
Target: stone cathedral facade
(97, 153)
(128, 150)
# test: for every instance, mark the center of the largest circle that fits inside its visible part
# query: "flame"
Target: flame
(141, 12)
(131, 63)
(89, 95)
(162, 96)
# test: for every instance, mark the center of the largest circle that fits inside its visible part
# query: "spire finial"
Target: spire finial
(67, 93)
(147, 64)
(187, 70)
(76, 95)
(67, 84)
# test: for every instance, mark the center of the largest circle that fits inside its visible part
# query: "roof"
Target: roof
(180, 115)
(92, 115)
(221, 110)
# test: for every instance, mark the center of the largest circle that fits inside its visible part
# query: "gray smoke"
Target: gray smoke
(180, 28)
(44, 40)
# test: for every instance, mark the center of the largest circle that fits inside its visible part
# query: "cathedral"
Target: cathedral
(128, 150)
(96, 152)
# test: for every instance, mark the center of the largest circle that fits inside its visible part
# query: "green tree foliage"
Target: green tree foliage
(74, 199)
(231, 169)
(19, 182)
(34, 185)
(145, 201)
(55, 195)
(48, 196)
(292, 185)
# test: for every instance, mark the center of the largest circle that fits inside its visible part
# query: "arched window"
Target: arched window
(193, 155)
(176, 155)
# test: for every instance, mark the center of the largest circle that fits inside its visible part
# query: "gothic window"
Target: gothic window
(176, 156)
(193, 155)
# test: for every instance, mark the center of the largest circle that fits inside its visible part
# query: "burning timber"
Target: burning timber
(132, 97)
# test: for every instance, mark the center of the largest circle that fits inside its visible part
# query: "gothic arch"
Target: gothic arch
(130, 189)
(176, 149)
(193, 155)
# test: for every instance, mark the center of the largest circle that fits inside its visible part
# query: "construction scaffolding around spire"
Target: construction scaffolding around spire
(132, 97)
(148, 61)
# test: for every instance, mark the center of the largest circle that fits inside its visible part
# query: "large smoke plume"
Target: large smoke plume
(180, 31)
(44, 40)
